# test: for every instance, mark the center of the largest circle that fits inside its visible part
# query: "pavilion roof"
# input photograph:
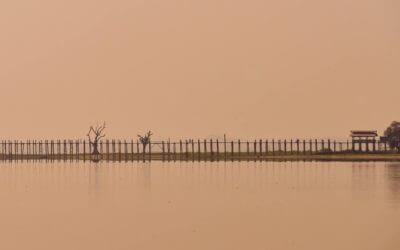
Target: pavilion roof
(364, 133)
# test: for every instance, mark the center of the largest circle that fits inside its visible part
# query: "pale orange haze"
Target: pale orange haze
(247, 68)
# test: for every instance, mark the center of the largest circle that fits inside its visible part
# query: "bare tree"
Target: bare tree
(97, 133)
(145, 140)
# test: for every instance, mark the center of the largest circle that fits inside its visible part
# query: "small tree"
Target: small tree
(145, 140)
(392, 135)
(97, 134)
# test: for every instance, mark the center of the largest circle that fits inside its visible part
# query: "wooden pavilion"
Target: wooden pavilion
(363, 136)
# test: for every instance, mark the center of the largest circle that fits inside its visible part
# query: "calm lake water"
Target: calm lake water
(247, 205)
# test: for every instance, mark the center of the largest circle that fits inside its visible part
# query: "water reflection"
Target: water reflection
(392, 177)
(211, 205)
(362, 178)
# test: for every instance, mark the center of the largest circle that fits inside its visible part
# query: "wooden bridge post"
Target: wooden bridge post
(71, 150)
(187, 150)
(19, 153)
(291, 146)
(58, 149)
(77, 149)
(18, 149)
(316, 145)
(225, 147)
(21, 150)
(211, 149)
(239, 150)
(285, 146)
(273, 146)
(137, 150)
(193, 153)
(40, 149)
(232, 151)
(132, 150)
(84, 150)
(120, 150)
(217, 154)
(65, 150)
(174, 144)
(374, 145)
(108, 150)
(169, 150)
(10, 150)
(205, 149)
(6, 152)
(163, 151)
(248, 150)
(198, 150)
(180, 149)
(52, 150)
(279, 146)
(112, 150)
(150, 151)
(126, 154)
(90, 150)
(15, 150)
(47, 150)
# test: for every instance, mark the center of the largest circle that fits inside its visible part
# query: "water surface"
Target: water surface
(247, 205)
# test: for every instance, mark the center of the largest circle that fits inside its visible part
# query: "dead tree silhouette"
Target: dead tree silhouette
(145, 140)
(98, 133)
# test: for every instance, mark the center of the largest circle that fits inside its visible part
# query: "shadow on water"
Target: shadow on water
(364, 178)
(392, 176)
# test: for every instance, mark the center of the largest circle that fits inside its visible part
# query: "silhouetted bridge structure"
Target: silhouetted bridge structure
(201, 150)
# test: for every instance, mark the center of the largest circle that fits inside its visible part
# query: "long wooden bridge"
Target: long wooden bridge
(190, 149)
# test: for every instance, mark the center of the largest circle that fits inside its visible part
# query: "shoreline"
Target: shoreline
(339, 157)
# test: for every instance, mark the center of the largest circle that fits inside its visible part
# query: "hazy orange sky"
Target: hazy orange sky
(248, 68)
